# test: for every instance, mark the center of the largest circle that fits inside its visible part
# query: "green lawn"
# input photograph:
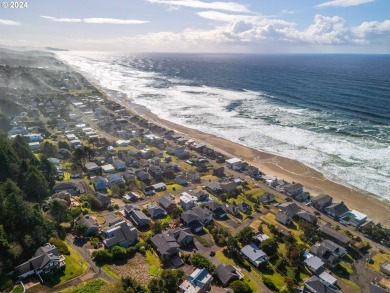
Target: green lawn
(377, 260)
(92, 286)
(186, 167)
(175, 186)
(154, 263)
(75, 265)
(18, 289)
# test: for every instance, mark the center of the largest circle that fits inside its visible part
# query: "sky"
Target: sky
(242, 26)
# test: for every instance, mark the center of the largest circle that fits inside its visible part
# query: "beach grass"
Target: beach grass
(109, 271)
(377, 260)
(154, 263)
(93, 286)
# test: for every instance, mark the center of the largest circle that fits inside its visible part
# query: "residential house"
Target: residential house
(234, 164)
(284, 218)
(204, 214)
(307, 216)
(156, 211)
(191, 220)
(108, 168)
(198, 282)
(337, 210)
(219, 172)
(128, 176)
(159, 186)
(353, 218)
(232, 209)
(218, 209)
(136, 215)
(290, 208)
(244, 207)
(385, 268)
(69, 186)
(187, 201)
(120, 234)
(329, 252)
(253, 172)
(322, 201)
(183, 236)
(155, 171)
(213, 187)
(293, 189)
(115, 179)
(266, 198)
(337, 237)
(103, 198)
(111, 219)
(303, 197)
(260, 237)
(181, 180)
(229, 187)
(317, 285)
(165, 244)
(99, 182)
(91, 168)
(278, 185)
(254, 254)
(46, 260)
(199, 195)
(91, 225)
(227, 274)
(119, 165)
(167, 203)
(314, 264)
(142, 176)
(193, 176)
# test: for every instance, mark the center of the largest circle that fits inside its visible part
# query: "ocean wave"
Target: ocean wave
(344, 149)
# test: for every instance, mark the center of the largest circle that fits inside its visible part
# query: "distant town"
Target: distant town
(137, 206)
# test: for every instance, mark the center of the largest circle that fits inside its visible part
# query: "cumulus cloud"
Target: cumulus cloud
(219, 16)
(225, 6)
(97, 20)
(9, 22)
(344, 3)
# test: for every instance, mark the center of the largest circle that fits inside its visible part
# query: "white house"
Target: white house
(187, 201)
(234, 163)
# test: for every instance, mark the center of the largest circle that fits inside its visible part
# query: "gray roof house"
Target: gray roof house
(317, 285)
(114, 179)
(167, 203)
(291, 208)
(104, 199)
(204, 214)
(92, 226)
(329, 252)
(254, 254)
(192, 220)
(183, 236)
(337, 210)
(337, 237)
(244, 207)
(232, 209)
(69, 186)
(321, 201)
(314, 264)
(284, 218)
(293, 189)
(156, 211)
(308, 217)
(45, 260)
(227, 274)
(266, 198)
(120, 234)
(218, 209)
(136, 215)
(165, 244)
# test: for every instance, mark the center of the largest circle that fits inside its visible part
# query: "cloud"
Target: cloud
(344, 3)
(373, 29)
(9, 22)
(96, 20)
(226, 6)
(219, 16)
(62, 19)
(114, 21)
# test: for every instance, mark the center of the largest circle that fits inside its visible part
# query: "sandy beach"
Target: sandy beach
(283, 168)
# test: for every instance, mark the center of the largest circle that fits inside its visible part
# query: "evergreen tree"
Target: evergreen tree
(36, 185)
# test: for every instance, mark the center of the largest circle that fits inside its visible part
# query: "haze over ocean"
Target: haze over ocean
(331, 112)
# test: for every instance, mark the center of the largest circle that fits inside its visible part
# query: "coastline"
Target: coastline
(280, 167)
(273, 165)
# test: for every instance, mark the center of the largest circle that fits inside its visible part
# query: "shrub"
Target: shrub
(110, 207)
(240, 287)
(60, 245)
(268, 282)
(102, 256)
(118, 253)
(201, 262)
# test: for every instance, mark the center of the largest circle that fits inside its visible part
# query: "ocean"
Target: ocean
(331, 112)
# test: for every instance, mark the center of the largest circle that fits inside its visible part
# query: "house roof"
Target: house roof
(315, 284)
(328, 230)
(164, 243)
(307, 216)
(338, 209)
(290, 208)
(189, 216)
(103, 198)
(215, 206)
(115, 177)
(96, 179)
(87, 221)
(253, 252)
(282, 217)
(293, 187)
(266, 197)
(328, 251)
(156, 211)
(229, 186)
(243, 206)
(120, 232)
(65, 185)
(202, 213)
(226, 273)
(322, 199)
(314, 263)
(166, 202)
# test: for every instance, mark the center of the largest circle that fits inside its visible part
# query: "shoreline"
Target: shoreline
(280, 167)
(277, 166)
